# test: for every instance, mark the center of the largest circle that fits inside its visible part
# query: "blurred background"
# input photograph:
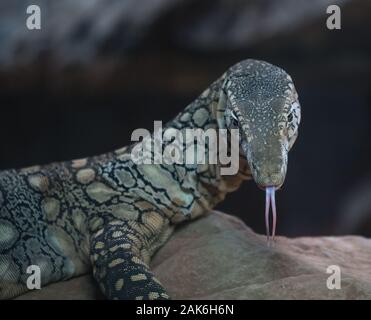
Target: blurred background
(98, 69)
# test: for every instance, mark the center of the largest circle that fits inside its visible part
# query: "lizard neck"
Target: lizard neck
(188, 188)
(207, 179)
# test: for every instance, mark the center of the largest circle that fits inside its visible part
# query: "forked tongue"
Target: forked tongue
(270, 199)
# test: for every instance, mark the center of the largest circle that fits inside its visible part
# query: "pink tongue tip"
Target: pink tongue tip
(270, 199)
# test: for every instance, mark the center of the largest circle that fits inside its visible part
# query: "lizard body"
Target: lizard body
(110, 214)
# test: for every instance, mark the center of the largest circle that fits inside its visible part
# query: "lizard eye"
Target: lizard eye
(290, 117)
(234, 119)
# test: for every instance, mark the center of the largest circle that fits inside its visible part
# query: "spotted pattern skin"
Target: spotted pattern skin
(110, 215)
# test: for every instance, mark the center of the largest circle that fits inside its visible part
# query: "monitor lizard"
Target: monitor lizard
(109, 214)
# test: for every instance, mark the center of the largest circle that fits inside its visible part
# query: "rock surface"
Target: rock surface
(219, 257)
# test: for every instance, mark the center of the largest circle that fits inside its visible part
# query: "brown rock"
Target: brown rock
(80, 288)
(219, 257)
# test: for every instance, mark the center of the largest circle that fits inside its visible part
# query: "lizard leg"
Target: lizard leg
(118, 254)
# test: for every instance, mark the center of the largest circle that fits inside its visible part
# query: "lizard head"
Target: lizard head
(260, 100)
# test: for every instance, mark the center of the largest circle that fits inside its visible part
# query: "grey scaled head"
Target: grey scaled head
(261, 101)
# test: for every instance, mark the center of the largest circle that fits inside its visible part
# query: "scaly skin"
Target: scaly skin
(111, 214)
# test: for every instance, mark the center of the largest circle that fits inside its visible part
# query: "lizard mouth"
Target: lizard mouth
(270, 199)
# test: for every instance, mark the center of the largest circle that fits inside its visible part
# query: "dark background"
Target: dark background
(100, 69)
